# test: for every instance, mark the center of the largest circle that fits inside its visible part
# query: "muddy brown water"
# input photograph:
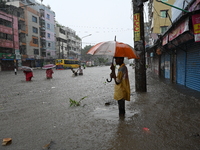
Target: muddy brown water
(37, 112)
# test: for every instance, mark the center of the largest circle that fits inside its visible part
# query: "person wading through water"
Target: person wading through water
(122, 85)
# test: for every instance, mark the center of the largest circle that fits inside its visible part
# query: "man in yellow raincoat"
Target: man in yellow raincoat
(122, 85)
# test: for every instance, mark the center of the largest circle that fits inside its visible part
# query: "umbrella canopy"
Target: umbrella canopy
(49, 66)
(25, 68)
(113, 48)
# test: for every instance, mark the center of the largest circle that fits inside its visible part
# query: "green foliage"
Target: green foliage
(99, 60)
(76, 103)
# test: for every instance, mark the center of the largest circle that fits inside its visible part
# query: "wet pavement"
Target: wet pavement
(33, 114)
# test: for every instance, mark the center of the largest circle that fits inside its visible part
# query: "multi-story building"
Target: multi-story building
(159, 18)
(47, 32)
(176, 52)
(159, 22)
(11, 19)
(73, 44)
(37, 36)
(68, 43)
(40, 33)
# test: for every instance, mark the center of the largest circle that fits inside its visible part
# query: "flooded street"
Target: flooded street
(35, 113)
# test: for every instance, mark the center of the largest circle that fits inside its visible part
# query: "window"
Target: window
(6, 36)
(9, 37)
(5, 23)
(163, 29)
(62, 31)
(48, 16)
(43, 54)
(35, 40)
(163, 13)
(49, 35)
(48, 26)
(34, 19)
(35, 30)
(49, 44)
(36, 51)
(18, 14)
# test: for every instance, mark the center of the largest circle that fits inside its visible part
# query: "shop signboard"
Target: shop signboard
(7, 56)
(180, 29)
(137, 27)
(196, 27)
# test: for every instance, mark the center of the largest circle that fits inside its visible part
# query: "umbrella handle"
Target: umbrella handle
(111, 72)
(109, 80)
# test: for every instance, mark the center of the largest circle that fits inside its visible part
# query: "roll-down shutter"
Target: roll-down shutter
(180, 66)
(193, 66)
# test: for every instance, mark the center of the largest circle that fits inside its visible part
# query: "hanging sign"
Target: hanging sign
(180, 29)
(137, 27)
(196, 27)
(165, 39)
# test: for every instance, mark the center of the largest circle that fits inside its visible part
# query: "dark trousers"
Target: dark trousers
(121, 106)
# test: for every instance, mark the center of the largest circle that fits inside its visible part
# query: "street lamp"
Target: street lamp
(82, 43)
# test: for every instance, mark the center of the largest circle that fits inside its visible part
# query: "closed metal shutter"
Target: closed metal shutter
(167, 66)
(193, 66)
(180, 66)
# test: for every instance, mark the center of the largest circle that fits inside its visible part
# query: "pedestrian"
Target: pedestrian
(49, 73)
(80, 71)
(74, 72)
(29, 75)
(122, 85)
(83, 66)
(15, 70)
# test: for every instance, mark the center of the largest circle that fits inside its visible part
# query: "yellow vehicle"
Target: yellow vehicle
(66, 64)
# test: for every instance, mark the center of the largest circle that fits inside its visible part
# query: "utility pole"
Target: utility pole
(139, 46)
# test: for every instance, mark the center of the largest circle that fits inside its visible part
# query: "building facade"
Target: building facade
(30, 36)
(159, 22)
(159, 18)
(39, 39)
(176, 52)
(68, 44)
(11, 18)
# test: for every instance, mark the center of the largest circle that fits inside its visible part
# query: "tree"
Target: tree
(84, 55)
(98, 59)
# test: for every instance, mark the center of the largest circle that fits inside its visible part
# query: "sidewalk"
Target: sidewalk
(178, 87)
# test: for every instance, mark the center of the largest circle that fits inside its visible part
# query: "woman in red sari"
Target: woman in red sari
(49, 73)
(29, 75)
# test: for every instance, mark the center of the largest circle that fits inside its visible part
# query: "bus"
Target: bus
(66, 64)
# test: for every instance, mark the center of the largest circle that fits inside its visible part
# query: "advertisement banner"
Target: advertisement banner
(196, 27)
(7, 56)
(137, 27)
(180, 29)
(165, 40)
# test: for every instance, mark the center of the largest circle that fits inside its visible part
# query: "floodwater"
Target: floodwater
(37, 113)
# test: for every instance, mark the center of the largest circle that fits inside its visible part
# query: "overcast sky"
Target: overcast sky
(103, 19)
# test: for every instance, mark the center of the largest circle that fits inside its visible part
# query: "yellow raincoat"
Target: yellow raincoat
(122, 90)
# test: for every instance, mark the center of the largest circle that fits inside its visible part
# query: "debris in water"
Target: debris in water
(107, 103)
(6, 141)
(47, 146)
(146, 129)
